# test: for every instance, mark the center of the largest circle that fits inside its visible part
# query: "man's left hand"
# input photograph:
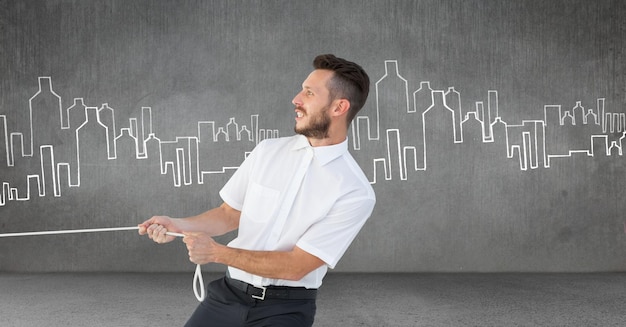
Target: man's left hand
(202, 248)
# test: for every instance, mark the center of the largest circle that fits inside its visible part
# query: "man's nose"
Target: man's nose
(296, 100)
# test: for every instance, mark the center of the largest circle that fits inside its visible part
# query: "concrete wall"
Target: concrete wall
(493, 135)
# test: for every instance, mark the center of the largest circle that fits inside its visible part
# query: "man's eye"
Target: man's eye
(309, 93)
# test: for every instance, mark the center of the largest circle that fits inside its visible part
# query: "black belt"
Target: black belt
(273, 292)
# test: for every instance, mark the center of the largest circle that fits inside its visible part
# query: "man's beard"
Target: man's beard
(317, 127)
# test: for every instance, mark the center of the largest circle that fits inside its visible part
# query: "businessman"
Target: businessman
(297, 204)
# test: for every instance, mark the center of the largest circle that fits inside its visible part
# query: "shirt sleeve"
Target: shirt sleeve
(329, 238)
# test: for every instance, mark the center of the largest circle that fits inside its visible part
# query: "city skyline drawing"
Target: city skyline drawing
(597, 131)
(394, 136)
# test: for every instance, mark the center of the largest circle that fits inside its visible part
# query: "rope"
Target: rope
(198, 281)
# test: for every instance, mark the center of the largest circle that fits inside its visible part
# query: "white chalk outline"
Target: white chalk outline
(528, 147)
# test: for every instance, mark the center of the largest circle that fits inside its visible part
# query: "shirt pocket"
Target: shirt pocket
(260, 203)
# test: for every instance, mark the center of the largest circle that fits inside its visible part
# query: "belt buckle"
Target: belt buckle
(262, 296)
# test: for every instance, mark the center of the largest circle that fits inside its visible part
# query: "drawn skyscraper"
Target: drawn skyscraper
(48, 134)
(106, 116)
(46, 117)
(439, 122)
(4, 142)
(392, 105)
(91, 142)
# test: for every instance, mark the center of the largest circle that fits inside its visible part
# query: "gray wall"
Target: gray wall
(493, 136)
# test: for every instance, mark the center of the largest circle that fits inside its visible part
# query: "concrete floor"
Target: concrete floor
(98, 299)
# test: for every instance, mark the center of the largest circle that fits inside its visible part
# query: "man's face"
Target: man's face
(312, 105)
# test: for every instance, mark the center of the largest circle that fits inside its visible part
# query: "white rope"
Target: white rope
(70, 231)
(198, 281)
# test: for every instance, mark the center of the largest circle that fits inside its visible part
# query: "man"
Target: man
(297, 202)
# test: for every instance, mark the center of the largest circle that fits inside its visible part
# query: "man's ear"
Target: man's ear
(342, 106)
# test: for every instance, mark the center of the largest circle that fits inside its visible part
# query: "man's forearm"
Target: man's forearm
(214, 222)
(288, 265)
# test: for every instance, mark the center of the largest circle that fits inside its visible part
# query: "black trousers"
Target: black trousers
(229, 307)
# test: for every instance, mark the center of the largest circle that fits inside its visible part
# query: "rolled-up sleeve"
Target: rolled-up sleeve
(329, 238)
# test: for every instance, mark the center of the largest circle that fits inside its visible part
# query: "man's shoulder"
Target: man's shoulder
(358, 176)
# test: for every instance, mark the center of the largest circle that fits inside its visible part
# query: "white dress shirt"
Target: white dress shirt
(292, 194)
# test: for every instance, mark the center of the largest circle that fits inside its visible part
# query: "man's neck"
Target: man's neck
(330, 140)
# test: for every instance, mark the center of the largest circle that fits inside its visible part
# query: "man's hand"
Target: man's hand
(157, 226)
(202, 248)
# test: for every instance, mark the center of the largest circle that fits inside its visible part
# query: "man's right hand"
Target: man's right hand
(157, 226)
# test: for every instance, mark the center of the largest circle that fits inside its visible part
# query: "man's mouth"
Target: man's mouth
(299, 113)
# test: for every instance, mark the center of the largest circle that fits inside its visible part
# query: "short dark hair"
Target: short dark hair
(349, 81)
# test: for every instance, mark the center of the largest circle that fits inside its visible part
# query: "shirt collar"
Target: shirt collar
(323, 154)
